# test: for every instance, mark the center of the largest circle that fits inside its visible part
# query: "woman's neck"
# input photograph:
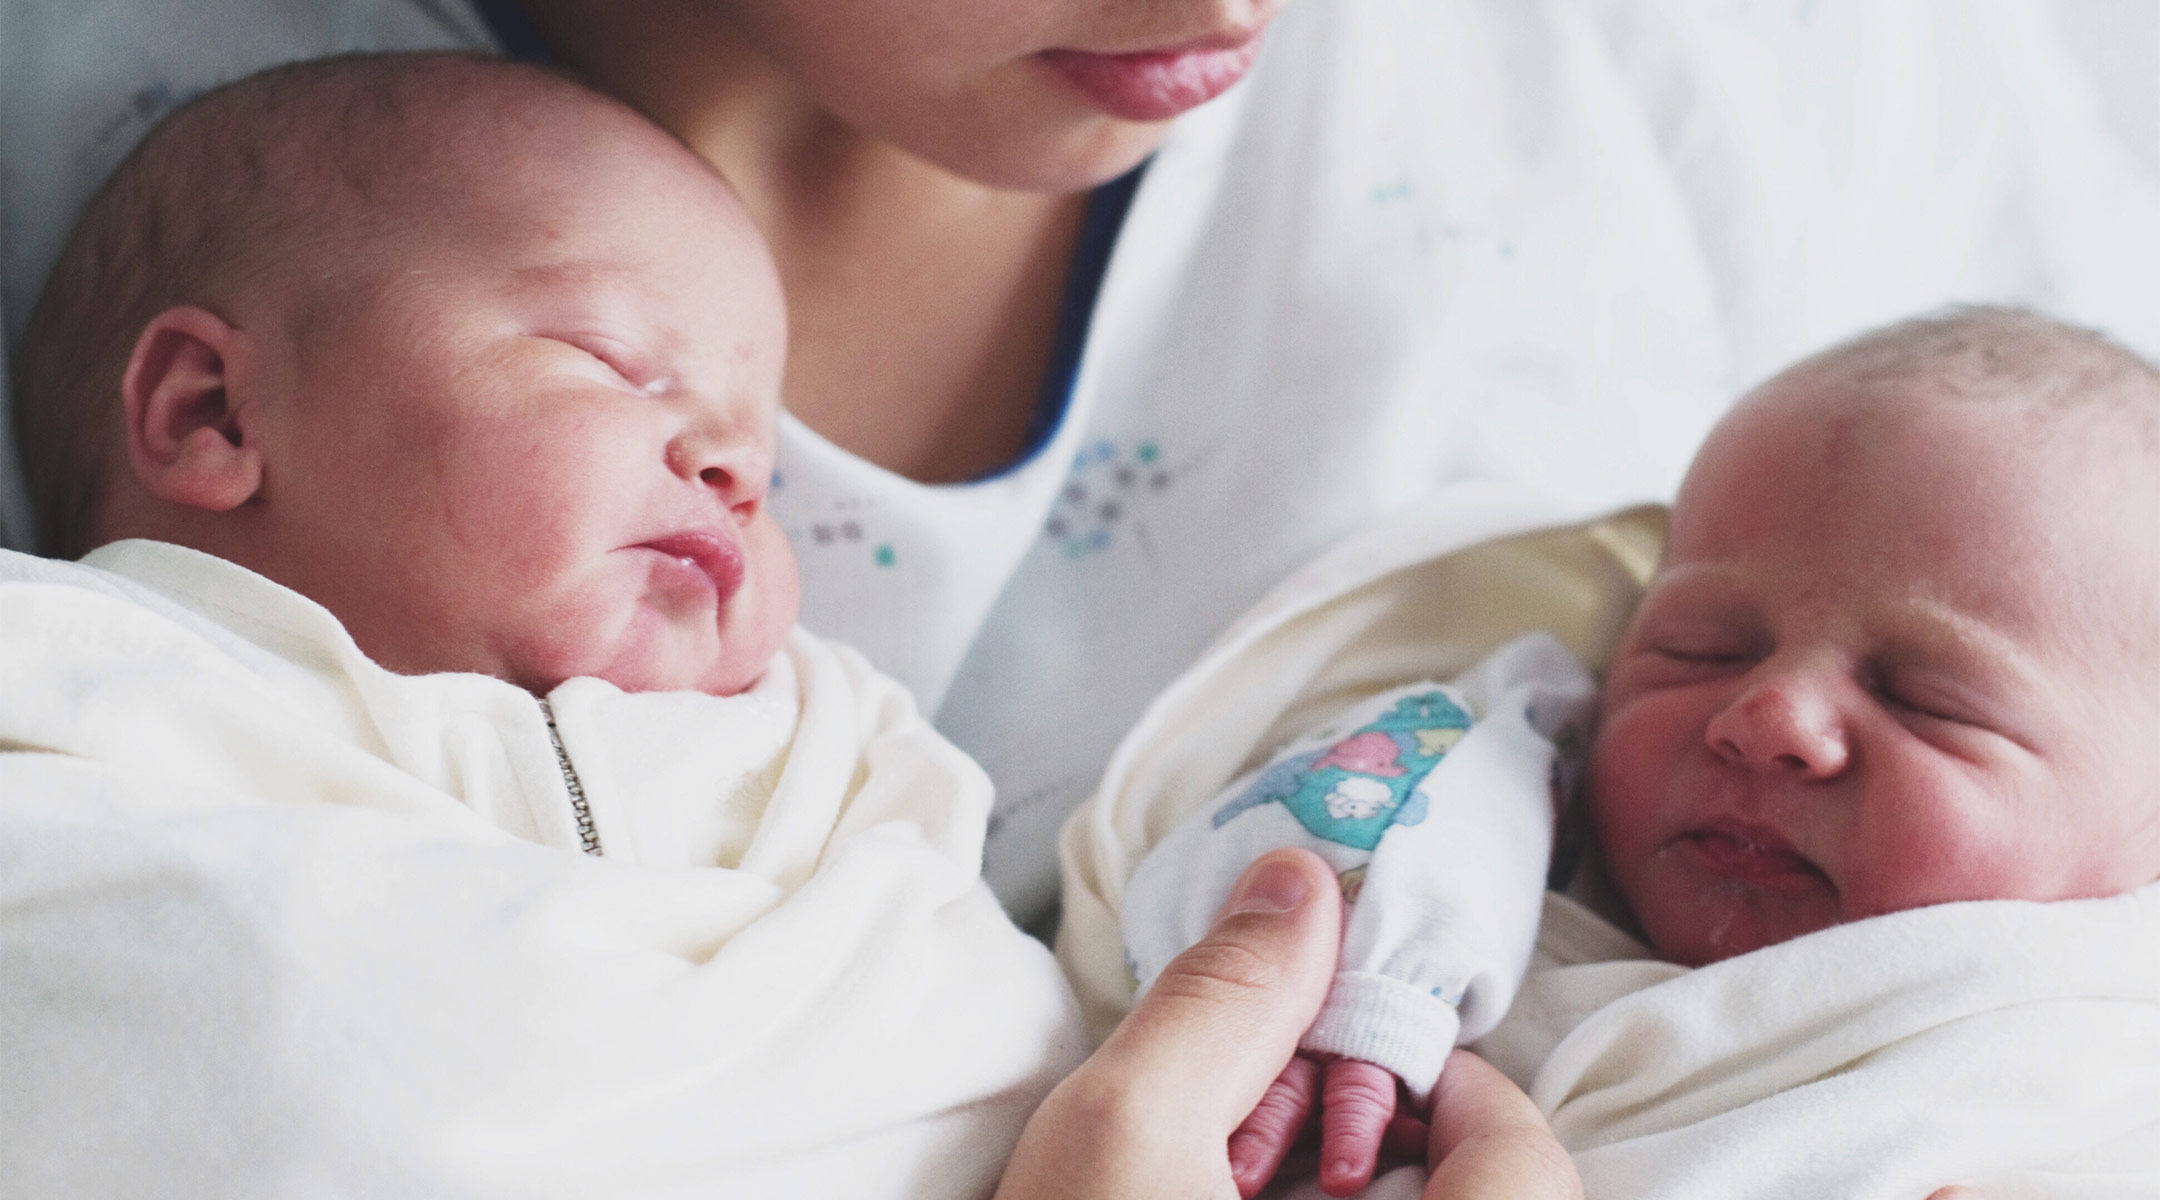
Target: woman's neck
(923, 305)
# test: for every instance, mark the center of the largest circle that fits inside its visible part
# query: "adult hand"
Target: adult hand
(1150, 1115)
(1489, 1142)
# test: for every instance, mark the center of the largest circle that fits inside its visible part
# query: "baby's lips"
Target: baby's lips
(713, 552)
(1752, 852)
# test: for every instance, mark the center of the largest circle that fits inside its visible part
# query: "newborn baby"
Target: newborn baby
(1903, 649)
(500, 403)
(1904, 645)
(432, 691)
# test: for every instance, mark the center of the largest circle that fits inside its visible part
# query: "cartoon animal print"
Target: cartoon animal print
(1352, 791)
(1352, 882)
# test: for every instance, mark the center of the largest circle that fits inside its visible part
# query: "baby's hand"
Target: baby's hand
(1358, 1118)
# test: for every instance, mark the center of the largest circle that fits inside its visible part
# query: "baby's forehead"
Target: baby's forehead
(422, 176)
(2043, 519)
(1978, 391)
(337, 140)
(1955, 369)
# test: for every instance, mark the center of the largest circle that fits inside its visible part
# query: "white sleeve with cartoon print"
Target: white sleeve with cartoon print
(1436, 805)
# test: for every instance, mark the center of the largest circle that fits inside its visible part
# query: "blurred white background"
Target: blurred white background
(2118, 43)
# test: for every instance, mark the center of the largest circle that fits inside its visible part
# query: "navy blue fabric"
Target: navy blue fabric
(1099, 229)
(514, 31)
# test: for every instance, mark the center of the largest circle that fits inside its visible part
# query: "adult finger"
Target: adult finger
(1150, 1114)
(1489, 1142)
(1224, 1016)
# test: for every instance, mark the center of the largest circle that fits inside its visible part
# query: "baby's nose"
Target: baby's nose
(1784, 722)
(736, 463)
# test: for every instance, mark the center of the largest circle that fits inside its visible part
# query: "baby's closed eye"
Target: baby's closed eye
(629, 364)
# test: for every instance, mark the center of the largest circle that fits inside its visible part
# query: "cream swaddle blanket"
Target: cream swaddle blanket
(2012, 1047)
(275, 922)
(2008, 1046)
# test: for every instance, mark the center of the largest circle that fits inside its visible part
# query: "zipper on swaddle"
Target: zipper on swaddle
(580, 807)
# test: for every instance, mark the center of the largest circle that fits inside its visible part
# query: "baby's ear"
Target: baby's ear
(186, 439)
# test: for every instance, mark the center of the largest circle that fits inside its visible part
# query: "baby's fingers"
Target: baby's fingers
(1258, 1146)
(1357, 1101)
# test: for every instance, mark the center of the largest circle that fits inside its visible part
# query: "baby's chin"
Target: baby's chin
(658, 669)
(1732, 920)
(664, 657)
(640, 642)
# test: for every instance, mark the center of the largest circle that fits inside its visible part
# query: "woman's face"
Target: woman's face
(1050, 95)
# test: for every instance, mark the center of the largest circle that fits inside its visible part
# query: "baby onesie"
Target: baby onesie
(1436, 805)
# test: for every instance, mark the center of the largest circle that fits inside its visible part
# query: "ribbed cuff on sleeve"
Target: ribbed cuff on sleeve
(1388, 1022)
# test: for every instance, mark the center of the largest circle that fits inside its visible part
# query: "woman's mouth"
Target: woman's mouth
(1154, 85)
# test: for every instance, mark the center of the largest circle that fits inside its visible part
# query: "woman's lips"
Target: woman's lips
(1153, 85)
(712, 556)
(1749, 852)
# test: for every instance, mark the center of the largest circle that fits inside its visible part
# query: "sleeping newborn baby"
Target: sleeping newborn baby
(500, 401)
(1903, 649)
(416, 415)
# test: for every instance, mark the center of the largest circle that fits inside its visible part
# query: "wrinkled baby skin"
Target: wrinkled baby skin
(537, 443)
(1361, 1114)
(1900, 652)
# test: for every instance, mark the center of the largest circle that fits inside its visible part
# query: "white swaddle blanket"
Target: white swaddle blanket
(2013, 1047)
(2008, 1046)
(277, 923)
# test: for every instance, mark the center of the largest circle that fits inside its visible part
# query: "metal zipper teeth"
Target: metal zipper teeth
(580, 807)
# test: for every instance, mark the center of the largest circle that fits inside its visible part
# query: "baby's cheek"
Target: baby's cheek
(1623, 809)
(757, 620)
(1917, 862)
(778, 577)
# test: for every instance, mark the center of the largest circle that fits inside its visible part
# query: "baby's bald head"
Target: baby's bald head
(1986, 354)
(285, 181)
(2050, 393)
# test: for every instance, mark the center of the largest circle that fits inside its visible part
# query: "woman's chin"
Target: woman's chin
(1058, 146)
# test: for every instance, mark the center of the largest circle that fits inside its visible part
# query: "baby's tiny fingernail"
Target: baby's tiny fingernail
(1269, 886)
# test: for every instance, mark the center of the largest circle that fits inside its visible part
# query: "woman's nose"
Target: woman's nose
(1787, 722)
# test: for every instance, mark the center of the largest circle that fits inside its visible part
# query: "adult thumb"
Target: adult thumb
(1225, 1016)
(1150, 1114)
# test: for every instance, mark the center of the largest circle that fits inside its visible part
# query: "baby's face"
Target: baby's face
(539, 446)
(1898, 654)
